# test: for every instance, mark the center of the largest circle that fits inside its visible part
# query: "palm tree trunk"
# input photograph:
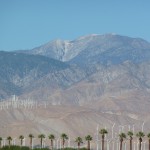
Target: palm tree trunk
(41, 142)
(21, 142)
(78, 146)
(140, 146)
(149, 144)
(9, 143)
(130, 144)
(52, 144)
(63, 143)
(121, 145)
(102, 142)
(140, 141)
(30, 143)
(88, 147)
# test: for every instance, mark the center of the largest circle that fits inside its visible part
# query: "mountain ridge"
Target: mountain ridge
(98, 80)
(66, 50)
(83, 57)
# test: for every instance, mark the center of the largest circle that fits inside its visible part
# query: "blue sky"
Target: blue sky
(25, 24)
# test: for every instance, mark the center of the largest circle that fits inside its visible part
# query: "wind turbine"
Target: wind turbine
(108, 142)
(113, 130)
(69, 141)
(33, 142)
(14, 141)
(58, 143)
(134, 146)
(144, 145)
(113, 147)
(133, 128)
(137, 144)
(24, 141)
(143, 126)
(129, 127)
(125, 146)
(54, 144)
(4, 141)
(97, 133)
(117, 143)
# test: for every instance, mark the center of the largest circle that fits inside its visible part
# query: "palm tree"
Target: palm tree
(1, 142)
(51, 137)
(103, 132)
(41, 136)
(31, 136)
(21, 137)
(88, 138)
(79, 141)
(140, 135)
(64, 137)
(148, 135)
(130, 134)
(9, 138)
(122, 136)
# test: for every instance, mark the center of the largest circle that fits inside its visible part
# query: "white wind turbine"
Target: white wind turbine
(112, 128)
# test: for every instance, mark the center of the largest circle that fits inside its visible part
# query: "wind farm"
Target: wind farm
(74, 75)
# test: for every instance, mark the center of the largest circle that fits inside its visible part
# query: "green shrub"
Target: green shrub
(25, 148)
(41, 149)
(70, 148)
(15, 147)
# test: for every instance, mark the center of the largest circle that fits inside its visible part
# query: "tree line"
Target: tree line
(122, 136)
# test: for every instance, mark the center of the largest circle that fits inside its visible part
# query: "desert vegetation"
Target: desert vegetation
(81, 143)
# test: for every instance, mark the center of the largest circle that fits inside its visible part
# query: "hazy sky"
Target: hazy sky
(25, 24)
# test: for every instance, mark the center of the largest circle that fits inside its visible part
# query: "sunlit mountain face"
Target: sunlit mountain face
(94, 78)
(64, 65)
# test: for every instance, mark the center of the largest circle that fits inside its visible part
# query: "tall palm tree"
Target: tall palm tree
(122, 136)
(21, 137)
(1, 142)
(148, 135)
(103, 132)
(64, 137)
(31, 136)
(130, 134)
(140, 135)
(9, 138)
(51, 137)
(79, 141)
(41, 136)
(88, 138)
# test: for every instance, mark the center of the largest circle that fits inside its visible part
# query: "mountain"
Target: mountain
(60, 65)
(105, 55)
(93, 48)
(94, 79)
(113, 49)
(19, 72)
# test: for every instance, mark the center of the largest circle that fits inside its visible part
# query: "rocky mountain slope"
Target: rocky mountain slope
(68, 65)
(21, 73)
(87, 81)
(94, 48)
(104, 58)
